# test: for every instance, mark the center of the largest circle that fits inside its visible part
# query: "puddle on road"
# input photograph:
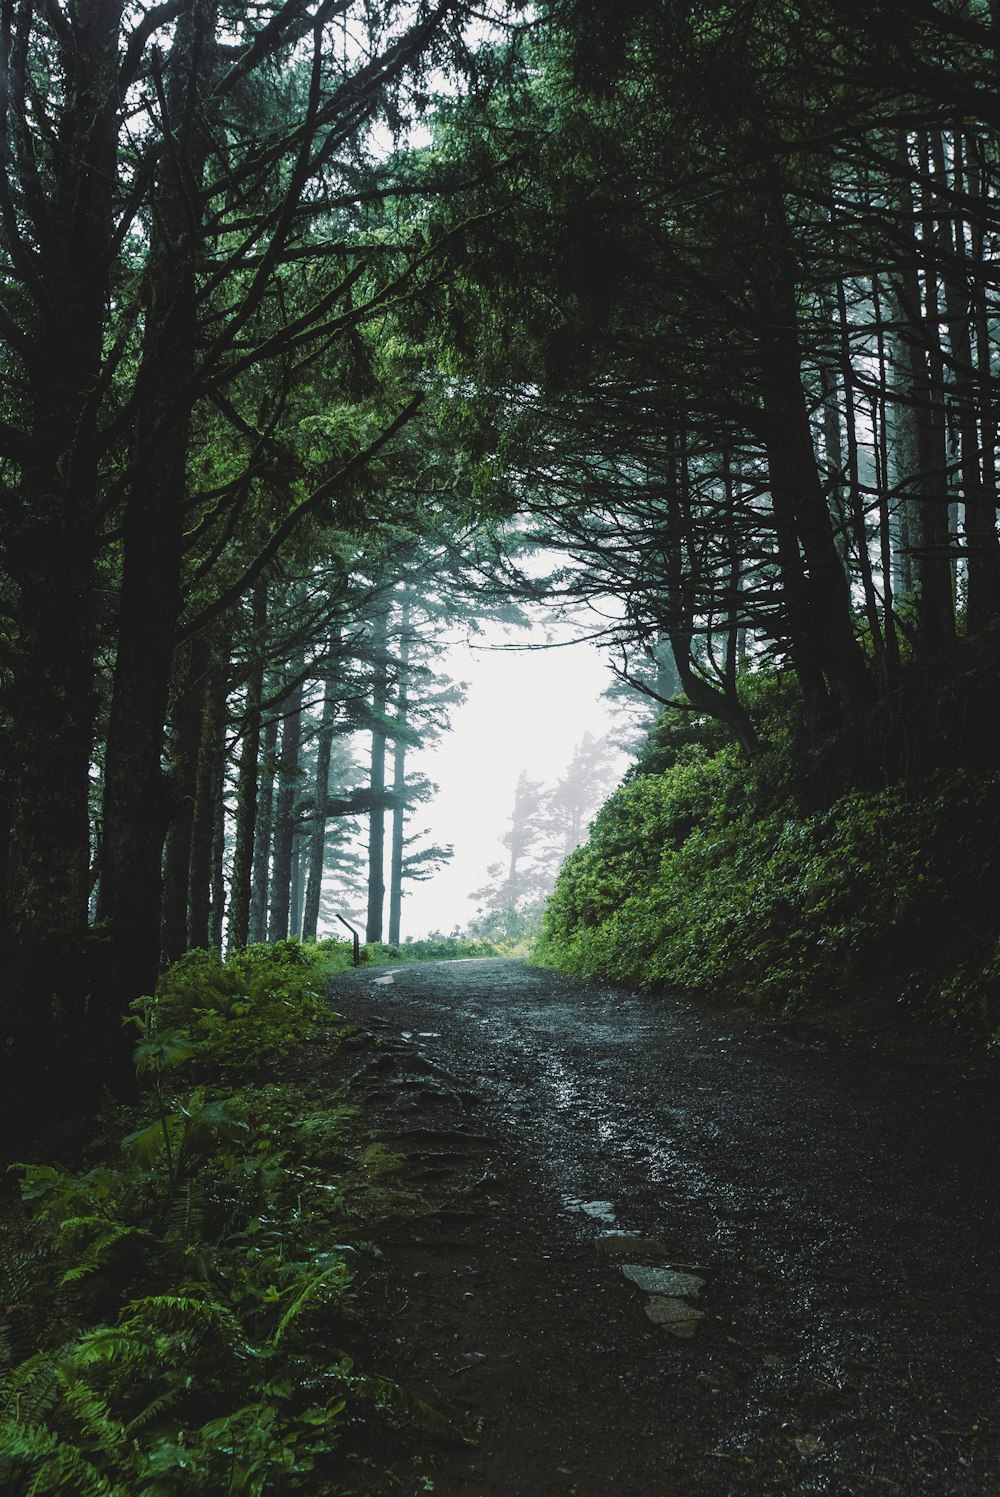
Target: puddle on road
(602, 1211)
(383, 982)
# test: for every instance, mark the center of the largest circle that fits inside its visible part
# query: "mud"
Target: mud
(823, 1225)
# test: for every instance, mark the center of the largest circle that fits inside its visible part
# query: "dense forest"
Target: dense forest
(318, 320)
(317, 316)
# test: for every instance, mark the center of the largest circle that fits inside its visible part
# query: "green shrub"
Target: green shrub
(702, 878)
(187, 1323)
(250, 1009)
(434, 948)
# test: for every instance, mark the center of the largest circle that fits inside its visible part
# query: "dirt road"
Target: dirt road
(678, 1253)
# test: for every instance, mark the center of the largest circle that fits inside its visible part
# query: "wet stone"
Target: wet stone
(808, 1444)
(662, 1280)
(600, 1210)
(627, 1245)
(676, 1316)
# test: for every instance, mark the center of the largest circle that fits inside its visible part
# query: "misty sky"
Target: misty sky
(525, 710)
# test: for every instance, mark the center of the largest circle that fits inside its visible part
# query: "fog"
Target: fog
(526, 709)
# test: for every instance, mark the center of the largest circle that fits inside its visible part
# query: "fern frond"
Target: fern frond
(101, 1430)
(147, 1416)
(331, 1280)
(24, 1283)
(183, 1315)
(394, 1399)
(110, 1343)
(186, 1217)
(48, 1465)
(30, 1391)
(103, 1235)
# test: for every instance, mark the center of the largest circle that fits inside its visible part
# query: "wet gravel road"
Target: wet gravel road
(841, 1211)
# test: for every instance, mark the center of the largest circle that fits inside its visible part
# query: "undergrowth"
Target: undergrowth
(180, 1308)
(438, 948)
(706, 874)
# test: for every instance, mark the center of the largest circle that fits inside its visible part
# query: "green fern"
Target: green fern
(25, 1276)
(38, 1463)
(183, 1316)
(92, 1416)
(330, 1281)
(185, 1222)
(393, 1398)
(121, 1345)
(30, 1391)
(94, 1237)
(38, 1459)
(152, 1412)
(189, 1276)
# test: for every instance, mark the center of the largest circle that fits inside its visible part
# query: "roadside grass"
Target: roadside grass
(181, 1313)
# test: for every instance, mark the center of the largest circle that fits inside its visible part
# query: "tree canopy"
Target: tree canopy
(316, 313)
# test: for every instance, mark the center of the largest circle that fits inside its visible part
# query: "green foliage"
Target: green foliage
(433, 948)
(512, 931)
(251, 1009)
(702, 876)
(191, 1292)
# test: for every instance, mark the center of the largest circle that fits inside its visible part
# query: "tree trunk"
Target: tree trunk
(986, 410)
(667, 680)
(296, 885)
(48, 1005)
(833, 452)
(248, 779)
(135, 803)
(376, 817)
(937, 519)
(859, 520)
(961, 275)
(321, 796)
(399, 781)
(719, 702)
(880, 437)
(260, 883)
(205, 899)
(920, 458)
(284, 810)
(188, 710)
(826, 656)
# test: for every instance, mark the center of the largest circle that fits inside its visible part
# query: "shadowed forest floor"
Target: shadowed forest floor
(833, 1215)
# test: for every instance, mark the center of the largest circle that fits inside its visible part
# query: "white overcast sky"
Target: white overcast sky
(525, 710)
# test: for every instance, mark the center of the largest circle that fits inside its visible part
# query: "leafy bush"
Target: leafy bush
(701, 877)
(250, 1010)
(435, 948)
(187, 1298)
